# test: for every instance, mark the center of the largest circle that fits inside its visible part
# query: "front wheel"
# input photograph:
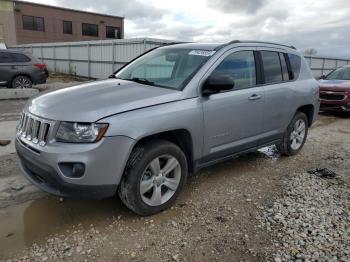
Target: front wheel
(295, 136)
(155, 174)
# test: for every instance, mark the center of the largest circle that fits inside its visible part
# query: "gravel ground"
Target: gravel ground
(312, 220)
(257, 207)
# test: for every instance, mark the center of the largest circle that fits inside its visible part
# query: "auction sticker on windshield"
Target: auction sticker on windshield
(201, 52)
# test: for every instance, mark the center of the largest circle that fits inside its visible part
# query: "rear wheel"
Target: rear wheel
(155, 174)
(295, 136)
(21, 82)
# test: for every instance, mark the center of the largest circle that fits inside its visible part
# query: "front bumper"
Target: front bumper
(335, 106)
(104, 165)
(335, 100)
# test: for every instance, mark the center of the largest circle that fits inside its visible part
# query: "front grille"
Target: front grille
(34, 129)
(332, 96)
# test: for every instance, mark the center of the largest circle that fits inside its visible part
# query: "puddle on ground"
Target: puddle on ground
(5, 142)
(323, 173)
(34, 221)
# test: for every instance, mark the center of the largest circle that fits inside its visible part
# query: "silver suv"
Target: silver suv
(166, 114)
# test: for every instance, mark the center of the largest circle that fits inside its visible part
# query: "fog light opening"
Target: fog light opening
(72, 170)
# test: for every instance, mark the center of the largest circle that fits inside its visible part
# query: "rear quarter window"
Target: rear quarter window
(295, 62)
(19, 57)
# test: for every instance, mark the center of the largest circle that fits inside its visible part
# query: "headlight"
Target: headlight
(70, 132)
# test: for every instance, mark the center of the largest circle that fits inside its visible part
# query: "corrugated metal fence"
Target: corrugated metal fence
(98, 59)
(323, 65)
(93, 59)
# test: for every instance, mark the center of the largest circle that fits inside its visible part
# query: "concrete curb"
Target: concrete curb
(17, 93)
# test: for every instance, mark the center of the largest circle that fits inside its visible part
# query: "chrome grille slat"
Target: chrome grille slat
(24, 126)
(35, 131)
(32, 128)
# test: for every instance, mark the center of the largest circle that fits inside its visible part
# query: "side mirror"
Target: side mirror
(322, 77)
(111, 76)
(217, 83)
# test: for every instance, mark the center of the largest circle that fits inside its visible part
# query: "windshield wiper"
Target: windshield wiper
(141, 80)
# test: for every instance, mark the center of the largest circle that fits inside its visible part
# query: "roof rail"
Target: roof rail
(250, 41)
(174, 43)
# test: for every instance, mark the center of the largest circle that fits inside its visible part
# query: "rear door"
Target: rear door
(233, 119)
(279, 94)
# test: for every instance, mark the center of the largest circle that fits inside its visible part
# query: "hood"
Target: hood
(335, 85)
(95, 100)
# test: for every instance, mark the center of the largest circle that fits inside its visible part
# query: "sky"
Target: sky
(320, 24)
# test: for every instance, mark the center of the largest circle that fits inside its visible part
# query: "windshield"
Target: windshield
(165, 67)
(342, 73)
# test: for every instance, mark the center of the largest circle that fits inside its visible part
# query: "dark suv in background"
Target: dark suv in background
(20, 70)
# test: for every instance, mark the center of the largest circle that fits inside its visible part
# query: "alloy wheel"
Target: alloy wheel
(160, 180)
(22, 82)
(298, 134)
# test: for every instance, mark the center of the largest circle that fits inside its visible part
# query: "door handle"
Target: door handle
(13, 67)
(254, 97)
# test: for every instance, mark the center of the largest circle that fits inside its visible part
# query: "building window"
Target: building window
(89, 29)
(113, 32)
(33, 23)
(67, 27)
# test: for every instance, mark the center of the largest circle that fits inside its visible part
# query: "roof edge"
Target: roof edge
(66, 9)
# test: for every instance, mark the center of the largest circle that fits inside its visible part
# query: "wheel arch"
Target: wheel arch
(309, 111)
(180, 137)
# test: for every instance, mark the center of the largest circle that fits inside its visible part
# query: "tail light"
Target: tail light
(41, 66)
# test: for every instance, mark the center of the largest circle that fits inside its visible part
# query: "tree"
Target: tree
(310, 51)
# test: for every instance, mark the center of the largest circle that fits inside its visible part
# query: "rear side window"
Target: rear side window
(5, 57)
(284, 67)
(241, 67)
(19, 57)
(271, 66)
(295, 62)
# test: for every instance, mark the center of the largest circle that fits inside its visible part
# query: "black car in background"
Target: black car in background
(20, 70)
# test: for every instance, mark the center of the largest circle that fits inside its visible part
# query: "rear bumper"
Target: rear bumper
(39, 78)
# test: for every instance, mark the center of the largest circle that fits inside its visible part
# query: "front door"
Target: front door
(233, 119)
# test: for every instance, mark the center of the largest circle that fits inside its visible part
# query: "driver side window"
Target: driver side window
(240, 66)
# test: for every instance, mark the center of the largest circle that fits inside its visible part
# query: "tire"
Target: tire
(21, 81)
(294, 140)
(142, 169)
